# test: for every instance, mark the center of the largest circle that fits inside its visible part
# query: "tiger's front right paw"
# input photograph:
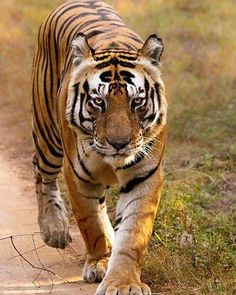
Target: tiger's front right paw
(114, 286)
(123, 279)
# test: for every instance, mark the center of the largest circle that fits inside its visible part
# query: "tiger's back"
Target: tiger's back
(99, 110)
(103, 27)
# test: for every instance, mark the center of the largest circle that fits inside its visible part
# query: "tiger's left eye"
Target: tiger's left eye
(98, 101)
(138, 102)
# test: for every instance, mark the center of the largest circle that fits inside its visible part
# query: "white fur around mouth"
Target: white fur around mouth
(119, 160)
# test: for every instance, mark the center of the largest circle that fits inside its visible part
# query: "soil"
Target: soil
(27, 265)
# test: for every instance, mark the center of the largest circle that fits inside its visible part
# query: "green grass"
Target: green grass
(201, 202)
(200, 186)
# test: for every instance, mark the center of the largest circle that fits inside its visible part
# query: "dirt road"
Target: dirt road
(27, 265)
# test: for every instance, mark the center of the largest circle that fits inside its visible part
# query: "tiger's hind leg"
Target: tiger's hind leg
(52, 215)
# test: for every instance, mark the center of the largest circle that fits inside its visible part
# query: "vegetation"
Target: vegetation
(193, 247)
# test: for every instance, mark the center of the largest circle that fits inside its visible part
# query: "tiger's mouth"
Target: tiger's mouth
(119, 157)
(121, 150)
(119, 153)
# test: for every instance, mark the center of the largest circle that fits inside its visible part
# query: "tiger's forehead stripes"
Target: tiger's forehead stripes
(118, 53)
(115, 61)
(118, 79)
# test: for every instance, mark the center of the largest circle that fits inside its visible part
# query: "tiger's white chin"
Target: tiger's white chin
(119, 160)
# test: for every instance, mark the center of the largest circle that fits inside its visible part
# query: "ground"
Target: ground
(193, 246)
(27, 265)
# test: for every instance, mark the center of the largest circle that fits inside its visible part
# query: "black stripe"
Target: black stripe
(103, 65)
(94, 33)
(76, 173)
(127, 76)
(118, 220)
(129, 57)
(106, 76)
(150, 118)
(136, 161)
(159, 119)
(86, 86)
(85, 169)
(157, 88)
(117, 224)
(126, 64)
(42, 156)
(85, 24)
(58, 139)
(91, 28)
(152, 95)
(117, 50)
(84, 151)
(41, 131)
(104, 56)
(58, 206)
(82, 119)
(134, 182)
(102, 200)
(49, 86)
(81, 116)
(46, 172)
(72, 119)
(146, 86)
(128, 45)
(123, 54)
(128, 216)
(115, 62)
(51, 137)
(50, 201)
(132, 201)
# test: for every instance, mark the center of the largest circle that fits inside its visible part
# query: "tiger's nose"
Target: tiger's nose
(119, 144)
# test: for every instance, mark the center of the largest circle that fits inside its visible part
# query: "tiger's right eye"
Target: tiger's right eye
(138, 100)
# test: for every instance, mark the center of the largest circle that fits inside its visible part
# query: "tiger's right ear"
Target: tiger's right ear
(81, 49)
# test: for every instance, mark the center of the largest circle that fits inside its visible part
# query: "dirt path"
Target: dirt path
(18, 218)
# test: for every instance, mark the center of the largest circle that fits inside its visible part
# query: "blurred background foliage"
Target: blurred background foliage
(193, 246)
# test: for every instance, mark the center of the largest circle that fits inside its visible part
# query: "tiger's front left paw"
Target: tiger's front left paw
(95, 270)
(115, 286)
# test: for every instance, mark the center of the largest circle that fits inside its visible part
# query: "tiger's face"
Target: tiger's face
(117, 100)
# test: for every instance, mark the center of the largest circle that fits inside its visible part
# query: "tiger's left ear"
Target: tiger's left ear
(152, 49)
(81, 49)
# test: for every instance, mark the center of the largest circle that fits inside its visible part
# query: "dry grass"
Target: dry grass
(199, 71)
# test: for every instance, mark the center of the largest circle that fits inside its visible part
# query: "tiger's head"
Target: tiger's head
(117, 99)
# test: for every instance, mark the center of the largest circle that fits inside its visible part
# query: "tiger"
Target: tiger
(99, 115)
